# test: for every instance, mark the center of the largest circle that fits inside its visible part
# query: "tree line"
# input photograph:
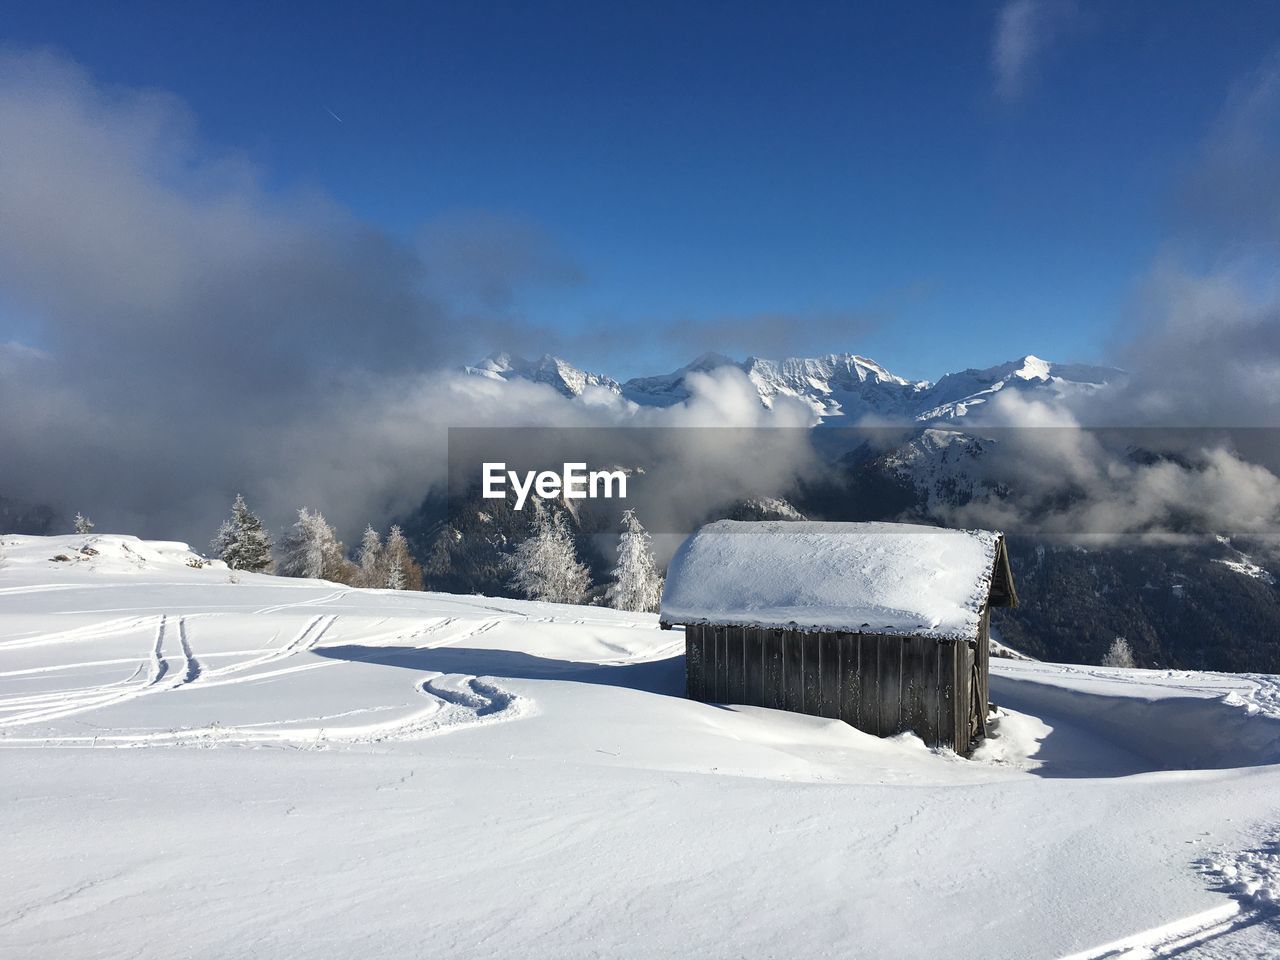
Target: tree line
(311, 549)
(544, 566)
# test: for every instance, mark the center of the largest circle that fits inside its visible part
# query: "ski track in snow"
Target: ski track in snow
(96, 631)
(62, 704)
(193, 665)
(159, 665)
(466, 699)
(171, 665)
(302, 641)
(1178, 938)
(11, 703)
(276, 608)
(1250, 877)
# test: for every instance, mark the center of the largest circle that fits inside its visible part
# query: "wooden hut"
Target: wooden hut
(883, 625)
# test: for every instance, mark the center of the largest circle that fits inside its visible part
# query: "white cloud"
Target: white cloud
(1025, 29)
(200, 335)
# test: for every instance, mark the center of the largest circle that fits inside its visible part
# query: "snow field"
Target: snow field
(285, 768)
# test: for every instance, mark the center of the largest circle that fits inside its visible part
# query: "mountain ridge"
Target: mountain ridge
(840, 388)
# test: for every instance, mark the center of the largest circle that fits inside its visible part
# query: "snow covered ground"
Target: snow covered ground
(207, 765)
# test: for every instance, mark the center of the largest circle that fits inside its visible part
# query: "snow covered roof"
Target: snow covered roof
(893, 578)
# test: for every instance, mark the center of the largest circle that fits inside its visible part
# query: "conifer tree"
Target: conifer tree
(637, 585)
(545, 565)
(402, 573)
(372, 565)
(312, 549)
(242, 543)
(83, 523)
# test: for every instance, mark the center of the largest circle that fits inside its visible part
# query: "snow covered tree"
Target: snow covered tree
(1120, 654)
(312, 549)
(396, 579)
(402, 573)
(242, 543)
(372, 567)
(83, 523)
(545, 565)
(637, 585)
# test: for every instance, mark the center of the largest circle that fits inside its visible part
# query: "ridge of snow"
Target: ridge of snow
(106, 554)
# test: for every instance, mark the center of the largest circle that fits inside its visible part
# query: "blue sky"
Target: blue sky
(935, 185)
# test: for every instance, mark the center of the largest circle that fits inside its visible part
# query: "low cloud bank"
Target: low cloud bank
(1042, 472)
(185, 335)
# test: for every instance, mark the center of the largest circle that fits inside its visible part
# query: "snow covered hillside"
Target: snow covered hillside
(204, 764)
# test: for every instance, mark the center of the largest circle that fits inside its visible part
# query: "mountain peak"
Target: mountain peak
(1033, 368)
(554, 371)
(498, 362)
(710, 361)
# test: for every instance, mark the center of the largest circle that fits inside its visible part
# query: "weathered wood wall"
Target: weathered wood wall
(983, 653)
(881, 684)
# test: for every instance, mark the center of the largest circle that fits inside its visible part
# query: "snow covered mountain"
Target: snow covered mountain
(956, 394)
(939, 464)
(667, 389)
(560, 374)
(841, 388)
(837, 385)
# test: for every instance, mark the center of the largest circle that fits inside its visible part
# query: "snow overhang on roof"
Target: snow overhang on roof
(888, 578)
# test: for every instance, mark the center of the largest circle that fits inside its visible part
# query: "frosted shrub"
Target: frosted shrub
(1120, 654)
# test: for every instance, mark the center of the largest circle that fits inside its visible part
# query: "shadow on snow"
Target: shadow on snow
(663, 677)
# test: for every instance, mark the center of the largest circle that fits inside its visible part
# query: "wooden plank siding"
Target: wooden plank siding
(736, 661)
(753, 648)
(869, 714)
(792, 672)
(915, 694)
(984, 669)
(829, 668)
(694, 663)
(880, 684)
(774, 669)
(962, 713)
(850, 677)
